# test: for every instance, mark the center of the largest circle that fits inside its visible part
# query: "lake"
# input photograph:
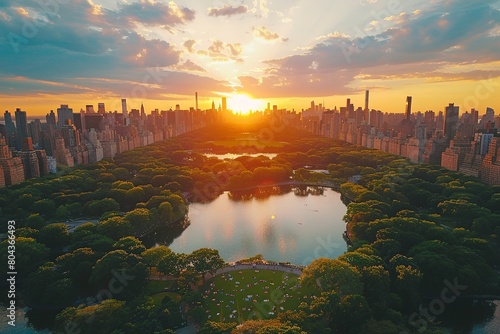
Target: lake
(284, 224)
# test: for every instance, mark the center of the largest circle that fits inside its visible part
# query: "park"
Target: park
(241, 293)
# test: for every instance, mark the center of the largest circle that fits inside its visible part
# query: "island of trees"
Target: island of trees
(415, 229)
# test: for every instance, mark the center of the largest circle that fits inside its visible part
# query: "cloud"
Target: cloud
(22, 12)
(90, 49)
(189, 45)
(424, 41)
(220, 51)
(260, 5)
(217, 48)
(188, 65)
(154, 13)
(234, 49)
(264, 34)
(227, 10)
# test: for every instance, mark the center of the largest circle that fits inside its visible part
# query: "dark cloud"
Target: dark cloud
(227, 10)
(79, 47)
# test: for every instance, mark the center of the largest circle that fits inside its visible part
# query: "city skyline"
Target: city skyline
(252, 52)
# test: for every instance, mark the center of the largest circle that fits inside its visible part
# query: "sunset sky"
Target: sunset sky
(285, 52)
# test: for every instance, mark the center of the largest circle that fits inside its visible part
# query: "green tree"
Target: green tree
(35, 221)
(101, 318)
(114, 228)
(376, 282)
(139, 220)
(205, 260)
(97, 242)
(29, 254)
(77, 265)
(62, 212)
(98, 208)
(178, 205)
(165, 212)
(121, 173)
(462, 211)
(408, 280)
(55, 236)
(333, 275)
(172, 264)
(134, 196)
(118, 263)
(130, 245)
(45, 207)
(267, 327)
(350, 314)
(83, 230)
(153, 256)
(212, 327)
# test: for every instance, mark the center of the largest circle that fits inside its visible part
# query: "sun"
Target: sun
(241, 103)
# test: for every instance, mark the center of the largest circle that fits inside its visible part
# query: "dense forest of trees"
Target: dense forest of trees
(414, 227)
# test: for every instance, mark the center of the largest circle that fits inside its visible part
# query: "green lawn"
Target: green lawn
(158, 297)
(253, 294)
(156, 290)
(158, 286)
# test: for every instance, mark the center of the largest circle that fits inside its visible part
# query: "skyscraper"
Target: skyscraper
(408, 107)
(100, 108)
(51, 118)
(124, 108)
(196, 98)
(126, 120)
(12, 167)
(474, 118)
(63, 115)
(224, 104)
(450, 121)
(22, 127)
(367, 111)
(10, 129)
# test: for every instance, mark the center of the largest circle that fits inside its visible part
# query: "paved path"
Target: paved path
(191, 329)
(237, 267)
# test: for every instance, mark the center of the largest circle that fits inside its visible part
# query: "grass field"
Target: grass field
(156, 290)
(252, 294)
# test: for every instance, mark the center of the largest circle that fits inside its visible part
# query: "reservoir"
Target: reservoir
(285, 224)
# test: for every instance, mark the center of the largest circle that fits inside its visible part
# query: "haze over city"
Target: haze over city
(286, 53)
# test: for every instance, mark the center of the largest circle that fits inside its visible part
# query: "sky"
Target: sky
(283, 52)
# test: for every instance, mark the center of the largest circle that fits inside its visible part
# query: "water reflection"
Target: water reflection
(259, 193)
(306, 190)
(266, 192)
(468, 317)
